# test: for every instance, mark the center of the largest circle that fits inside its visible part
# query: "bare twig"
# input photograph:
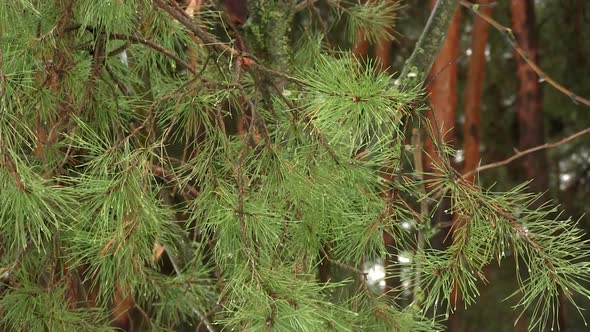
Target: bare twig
(183, 18)
(512, 41)
(153, 46)
(417, 144)
(521, 154)
(304, 4)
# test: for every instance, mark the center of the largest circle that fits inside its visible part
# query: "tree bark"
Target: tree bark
(474, 89)
(529, 110)
(471, 127)
(383, 54)
(442, 93)
(431, 39)
(531, 130)
(383, 49)
(360, 49)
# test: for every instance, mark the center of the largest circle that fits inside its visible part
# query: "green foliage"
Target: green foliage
(217, 194)
(31, 307)
(375, 18)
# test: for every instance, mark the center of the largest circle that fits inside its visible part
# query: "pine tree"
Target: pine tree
(129, 198)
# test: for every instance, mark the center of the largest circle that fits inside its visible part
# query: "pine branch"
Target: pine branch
(203, 318)
(212, 42)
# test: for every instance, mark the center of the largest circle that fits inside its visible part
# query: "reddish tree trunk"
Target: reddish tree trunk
(474, 89)
(193, 7)
(442, 92)
(531, 131)
(383, 49)
(237, 11)
(530, 112)
(383, 62)
(471, 127)
(361, 46)
(383, 54)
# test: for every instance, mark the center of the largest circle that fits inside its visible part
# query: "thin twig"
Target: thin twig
(417, 144)
(521, 154)
(203, 318)
(190, 191)
(8, 164)
(155, 47)
(507, 32)
(304, 4)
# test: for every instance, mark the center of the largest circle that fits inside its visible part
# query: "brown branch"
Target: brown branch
(508, 34)
(153, 46)
(211, 41)
(190, 191)
(2, 75)
(183, 18)
(521, 154)
(12, 169)
(304, 4)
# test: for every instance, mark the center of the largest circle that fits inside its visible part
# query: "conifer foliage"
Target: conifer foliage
(162, 169)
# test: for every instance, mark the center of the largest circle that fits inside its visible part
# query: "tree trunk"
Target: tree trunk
(471, 127)
(442, 94)
(383, 49)
(474, 89)
(429, 43)
(360, 49)
(531, 131)
(530, 113)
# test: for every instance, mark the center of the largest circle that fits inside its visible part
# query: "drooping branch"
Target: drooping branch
(418, 64)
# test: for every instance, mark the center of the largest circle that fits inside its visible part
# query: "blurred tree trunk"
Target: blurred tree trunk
(442, 91)
(474, 89)
(360, 49)
(471, 127)
(531, 131)
(383, 49)
(383, 62)
(529, 110)
(236, 11)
